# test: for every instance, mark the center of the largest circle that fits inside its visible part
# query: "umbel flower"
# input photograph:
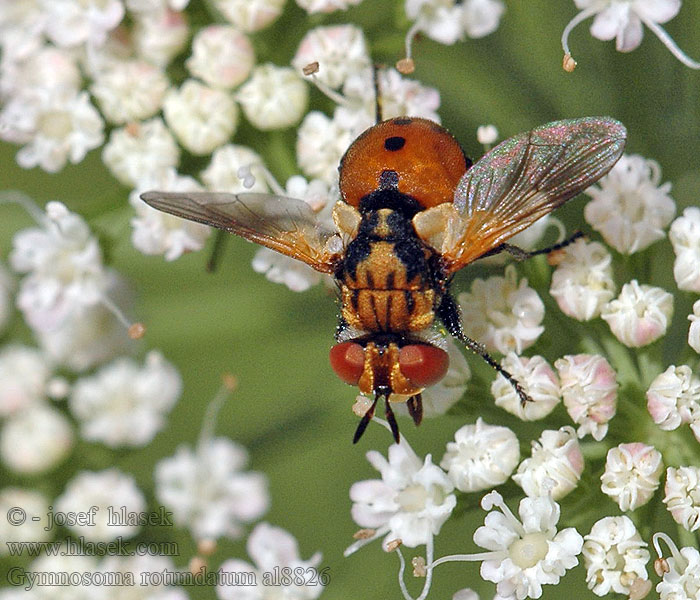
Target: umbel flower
(272, 549)
(615, 556)
(622, 20)
(523, 554)
(411, 501)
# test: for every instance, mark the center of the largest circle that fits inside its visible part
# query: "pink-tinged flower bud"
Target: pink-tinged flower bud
(583, 283)
(274, 97)
(674, 397)
(222, 56)
(250, 15)
(632, 474)
(326, 6)
(339, 50)
(589, 390)
(159, 36)
(555, 466)
(35, 439)
(683, 496)
(539, 381)
(129, 90)
(694, 329)
(640, 315)
(201, 117)
(685, 238)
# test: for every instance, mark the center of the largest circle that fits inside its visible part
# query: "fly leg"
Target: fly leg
(391, 419)
(519, 254)
(364, 421)
(219, 241)
(448, 312)
(415, 408)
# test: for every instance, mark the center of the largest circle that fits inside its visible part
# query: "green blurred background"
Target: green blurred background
(290, 411)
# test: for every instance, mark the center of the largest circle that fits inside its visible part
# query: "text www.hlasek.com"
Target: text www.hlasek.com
(82, 547)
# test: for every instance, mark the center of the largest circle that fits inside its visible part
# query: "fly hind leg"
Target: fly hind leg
(448, 312)
(519, 254)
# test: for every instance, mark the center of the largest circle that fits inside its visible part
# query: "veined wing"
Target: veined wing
(286, 225)
(518, 182)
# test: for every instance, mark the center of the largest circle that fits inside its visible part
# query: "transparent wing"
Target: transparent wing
(527, 176)
(285, 225)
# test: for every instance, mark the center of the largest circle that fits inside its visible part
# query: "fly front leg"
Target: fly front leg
(364, 421)
(449, 314)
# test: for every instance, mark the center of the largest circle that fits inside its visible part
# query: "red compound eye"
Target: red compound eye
(423, 364)
(348, 361)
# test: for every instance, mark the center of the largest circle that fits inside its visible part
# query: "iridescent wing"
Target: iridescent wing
(518, 182)
(285, 225)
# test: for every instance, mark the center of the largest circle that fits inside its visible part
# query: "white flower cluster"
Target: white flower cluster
(123, 404)
(629, 207)
(272, 549)
(35, 436)
(502, 313)
(528, 552)
(586, 383)
(631, 210)
(447, 21)
(102, 489)
(622, 21)
(411, 501)
(67, 295)
(207, 490)
(90, 494)
(414, 498)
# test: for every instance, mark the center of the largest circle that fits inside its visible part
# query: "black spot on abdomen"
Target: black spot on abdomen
(394, 143)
